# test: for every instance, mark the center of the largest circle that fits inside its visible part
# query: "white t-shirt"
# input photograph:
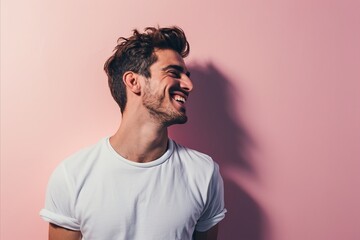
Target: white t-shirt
(103, 195)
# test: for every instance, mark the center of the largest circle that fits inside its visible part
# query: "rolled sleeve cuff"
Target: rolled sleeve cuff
(59, 220)
(203, 226)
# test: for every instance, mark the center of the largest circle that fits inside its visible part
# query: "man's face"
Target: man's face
(167, 90)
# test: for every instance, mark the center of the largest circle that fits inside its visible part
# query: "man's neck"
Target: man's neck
(140, 141)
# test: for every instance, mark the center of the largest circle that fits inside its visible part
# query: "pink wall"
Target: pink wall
(277, 104)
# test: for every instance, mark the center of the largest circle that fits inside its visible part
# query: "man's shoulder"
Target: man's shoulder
(84, 156)
(194, 157)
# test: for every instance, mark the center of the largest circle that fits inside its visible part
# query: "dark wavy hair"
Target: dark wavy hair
(136, 54)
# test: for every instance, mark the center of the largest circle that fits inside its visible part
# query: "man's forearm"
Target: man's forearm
(210, 234)
(59, 233)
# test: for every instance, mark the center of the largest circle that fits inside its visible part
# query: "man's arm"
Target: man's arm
(210, 234)
(59, 233)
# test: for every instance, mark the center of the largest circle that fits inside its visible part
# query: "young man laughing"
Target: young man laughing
(138, 184)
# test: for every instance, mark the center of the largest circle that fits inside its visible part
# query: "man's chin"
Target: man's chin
(178, 120)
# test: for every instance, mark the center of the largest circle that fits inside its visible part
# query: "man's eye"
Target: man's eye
(174, 74)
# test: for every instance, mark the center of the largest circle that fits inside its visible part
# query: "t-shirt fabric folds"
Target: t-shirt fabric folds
(105, 196)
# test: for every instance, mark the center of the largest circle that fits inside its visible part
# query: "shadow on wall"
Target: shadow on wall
(213, 129)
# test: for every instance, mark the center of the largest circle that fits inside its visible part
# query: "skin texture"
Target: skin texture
(173, 79)
(59, 233)
(151, 107)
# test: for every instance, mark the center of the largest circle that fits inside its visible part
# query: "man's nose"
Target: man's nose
(186, 83)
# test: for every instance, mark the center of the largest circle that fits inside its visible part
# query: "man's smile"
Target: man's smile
(179, 96)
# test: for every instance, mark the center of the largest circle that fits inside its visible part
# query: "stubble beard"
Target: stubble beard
(166, 115)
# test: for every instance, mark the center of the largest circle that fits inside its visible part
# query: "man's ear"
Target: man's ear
(131, 80)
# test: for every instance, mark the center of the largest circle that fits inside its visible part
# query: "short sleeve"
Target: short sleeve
(214, 210)
(59, 203)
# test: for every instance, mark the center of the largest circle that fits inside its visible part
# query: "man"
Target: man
(139, 184)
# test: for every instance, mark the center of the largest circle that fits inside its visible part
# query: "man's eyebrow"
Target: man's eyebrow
(178, 68)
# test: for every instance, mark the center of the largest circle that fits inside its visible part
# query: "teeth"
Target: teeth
(180, 99)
